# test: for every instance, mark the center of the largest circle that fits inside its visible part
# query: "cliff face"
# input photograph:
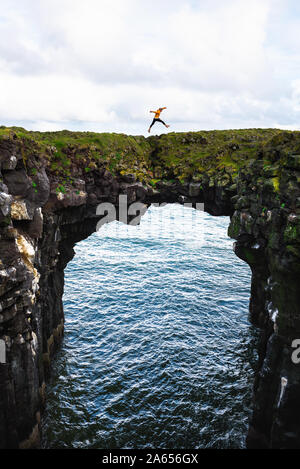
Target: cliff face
(51, 185)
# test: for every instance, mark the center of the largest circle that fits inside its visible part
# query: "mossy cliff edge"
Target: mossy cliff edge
(50, 187)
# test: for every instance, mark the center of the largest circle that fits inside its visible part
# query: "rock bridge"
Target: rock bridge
(51, 185)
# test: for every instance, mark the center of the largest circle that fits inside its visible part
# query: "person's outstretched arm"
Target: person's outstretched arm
(153, 112)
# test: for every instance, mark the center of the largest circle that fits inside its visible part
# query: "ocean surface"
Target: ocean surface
(158, 350)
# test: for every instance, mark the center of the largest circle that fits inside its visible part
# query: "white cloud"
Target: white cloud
(102, 64)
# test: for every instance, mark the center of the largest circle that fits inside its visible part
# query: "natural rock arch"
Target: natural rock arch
(42, 218)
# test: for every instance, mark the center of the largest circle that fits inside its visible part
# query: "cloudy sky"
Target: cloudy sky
(103, 64)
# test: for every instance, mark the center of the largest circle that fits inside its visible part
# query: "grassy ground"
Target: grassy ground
(182, 156)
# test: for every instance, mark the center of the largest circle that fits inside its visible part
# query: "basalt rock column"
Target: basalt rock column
(267, 231)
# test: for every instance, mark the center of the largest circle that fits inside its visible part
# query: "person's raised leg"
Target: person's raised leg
(166, 125)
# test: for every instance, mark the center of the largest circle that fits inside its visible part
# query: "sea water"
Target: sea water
(158, 349)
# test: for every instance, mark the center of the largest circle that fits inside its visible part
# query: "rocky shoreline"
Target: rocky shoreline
(50, 188)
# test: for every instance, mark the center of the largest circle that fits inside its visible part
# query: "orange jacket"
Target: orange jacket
(158, 112)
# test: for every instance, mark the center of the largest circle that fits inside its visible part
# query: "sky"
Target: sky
(102, 65)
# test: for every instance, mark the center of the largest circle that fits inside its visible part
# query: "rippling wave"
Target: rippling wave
(158, 351)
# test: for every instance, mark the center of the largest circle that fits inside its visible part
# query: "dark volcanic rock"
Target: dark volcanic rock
(18, 182)
(268, 240)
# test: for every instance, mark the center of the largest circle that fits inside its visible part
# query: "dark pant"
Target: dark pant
(156, 120)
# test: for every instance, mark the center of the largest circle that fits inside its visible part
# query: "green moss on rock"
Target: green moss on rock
(234, 227)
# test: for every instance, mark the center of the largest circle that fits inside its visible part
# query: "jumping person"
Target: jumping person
(157, 119)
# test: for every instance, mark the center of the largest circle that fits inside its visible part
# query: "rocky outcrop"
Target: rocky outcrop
(267, 231)
(51, 187)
